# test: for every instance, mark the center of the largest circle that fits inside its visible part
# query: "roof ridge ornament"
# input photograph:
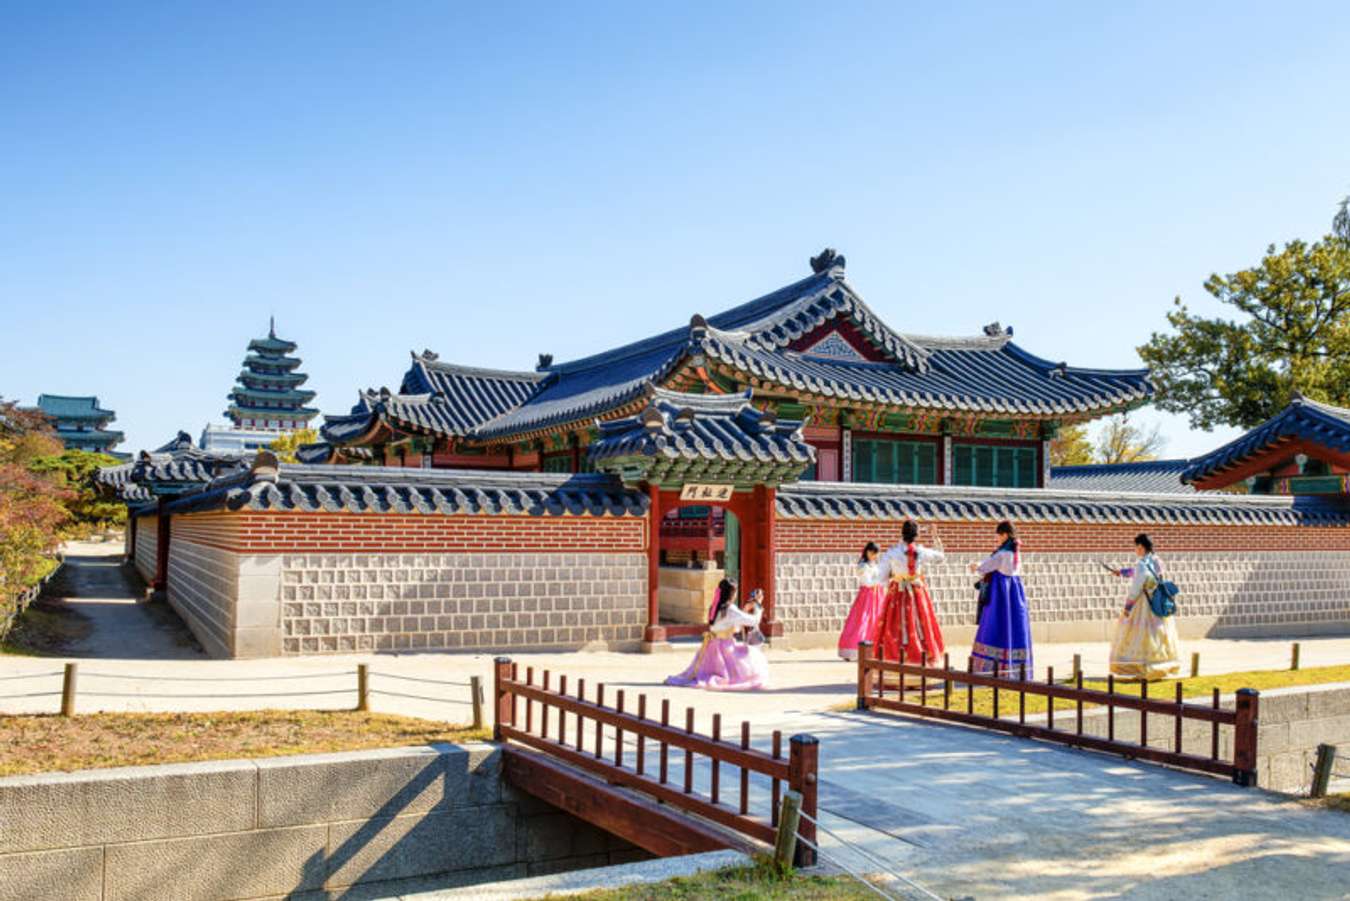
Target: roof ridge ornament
(651, 419)
(827, 259)
(545, 362)
(265, 467)
(994, 329)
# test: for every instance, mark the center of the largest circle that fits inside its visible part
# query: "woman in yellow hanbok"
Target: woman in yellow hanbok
(1145, 646)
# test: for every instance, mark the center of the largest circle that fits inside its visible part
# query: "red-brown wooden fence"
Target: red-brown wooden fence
(562, 723)
(877, 692)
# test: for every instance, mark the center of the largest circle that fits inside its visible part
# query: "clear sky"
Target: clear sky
(493, 181)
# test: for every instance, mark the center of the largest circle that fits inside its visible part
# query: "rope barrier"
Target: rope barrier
(845, 867)
(282, 678)
(419, 679)
(869, 856)
(33, 694)
(55, 672)
(152, 694)
(399, 694)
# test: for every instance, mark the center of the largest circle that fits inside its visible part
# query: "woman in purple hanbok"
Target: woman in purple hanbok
(722, 663)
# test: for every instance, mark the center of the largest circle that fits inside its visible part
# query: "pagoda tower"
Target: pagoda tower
(267, 392)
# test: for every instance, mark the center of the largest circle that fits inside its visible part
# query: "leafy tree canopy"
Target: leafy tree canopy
(1071, 447)
(286, 446)
(74, 470)
(1291, 333)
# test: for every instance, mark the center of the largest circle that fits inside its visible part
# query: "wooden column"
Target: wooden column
(1244, 737)
(803, 762)
(654, 633)
(576, 453)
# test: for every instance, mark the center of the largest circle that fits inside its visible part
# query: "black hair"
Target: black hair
(869, 548)
(1006, 529)
(1144, 542)
(909, 531)
(726, 594)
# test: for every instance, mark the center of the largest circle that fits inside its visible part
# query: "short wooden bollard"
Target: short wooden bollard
(1195, 664)
(1244, 736)
(1326, 761)
(1077, 664)
(504, 713)
(68, 690)
(785, 843)
(476, 690)
(1293, 656)
(363, 687)
(803, 765)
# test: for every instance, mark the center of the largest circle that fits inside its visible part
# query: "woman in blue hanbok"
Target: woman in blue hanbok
(1003, 641)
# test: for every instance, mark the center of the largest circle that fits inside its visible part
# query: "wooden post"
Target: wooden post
(1195, 664)
(1077, 664)
(1244, 737)
(362, 687)
(864, 673)
(654, 633)
(68, 690)
(785, 843)
(1326, 760)
(1293, 656)
(505, 713)
(803, 762)
(476, 695)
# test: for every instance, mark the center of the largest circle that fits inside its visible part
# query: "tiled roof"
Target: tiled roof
(244, 396)
(288, 379)
(826, 500)
(379, 489)
(266, 363)
(61, 406)
(1303, 419)
(318, 452)
(985, 374)
(436, 398)
(176, 467)
(1154, 476)
(90, 436)
(689, 433)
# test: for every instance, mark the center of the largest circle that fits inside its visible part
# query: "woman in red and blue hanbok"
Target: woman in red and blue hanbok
(1003, 641)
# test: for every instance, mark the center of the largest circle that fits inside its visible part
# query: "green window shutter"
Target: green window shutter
(892, 462)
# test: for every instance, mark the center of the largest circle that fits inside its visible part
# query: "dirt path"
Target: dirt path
(122, 629)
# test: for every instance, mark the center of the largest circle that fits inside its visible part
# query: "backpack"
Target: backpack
(1163, 600)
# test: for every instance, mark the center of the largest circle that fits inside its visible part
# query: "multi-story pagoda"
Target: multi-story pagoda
(267, 393)
(878, 405)
(80, 422)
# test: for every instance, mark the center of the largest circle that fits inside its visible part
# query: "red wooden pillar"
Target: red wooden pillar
(803, 764)
(654, 632)
(765, 522)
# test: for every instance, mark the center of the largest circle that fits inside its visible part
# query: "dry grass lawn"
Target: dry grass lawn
(1197, 688)
(740, 884)
(47, 743)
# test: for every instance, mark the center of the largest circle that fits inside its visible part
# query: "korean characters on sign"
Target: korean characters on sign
(713, 493)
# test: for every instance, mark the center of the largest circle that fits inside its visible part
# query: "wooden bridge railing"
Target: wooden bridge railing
(877, 692)
(591, 736)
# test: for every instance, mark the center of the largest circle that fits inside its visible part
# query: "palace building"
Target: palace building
(81, 423)
(595, 503)
(878, 405)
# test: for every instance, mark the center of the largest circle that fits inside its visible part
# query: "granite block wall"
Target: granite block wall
(1072, 599)
(353, 602)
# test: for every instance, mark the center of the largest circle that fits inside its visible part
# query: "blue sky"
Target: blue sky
(496, 183)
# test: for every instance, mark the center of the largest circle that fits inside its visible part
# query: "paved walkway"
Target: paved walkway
(123, 629)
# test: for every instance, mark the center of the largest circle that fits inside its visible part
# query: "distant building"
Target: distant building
(226, 438)
(267, 394)
(80, 422)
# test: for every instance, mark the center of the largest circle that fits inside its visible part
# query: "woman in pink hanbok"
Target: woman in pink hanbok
(722, 663)
(865, 615)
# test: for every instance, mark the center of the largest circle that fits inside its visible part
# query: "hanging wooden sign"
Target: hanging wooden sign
(693, 492)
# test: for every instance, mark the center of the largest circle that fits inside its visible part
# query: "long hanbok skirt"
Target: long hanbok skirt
(1145, 645)
(1003, 641)
(724, 664)
(863, 620)
(909, 625)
